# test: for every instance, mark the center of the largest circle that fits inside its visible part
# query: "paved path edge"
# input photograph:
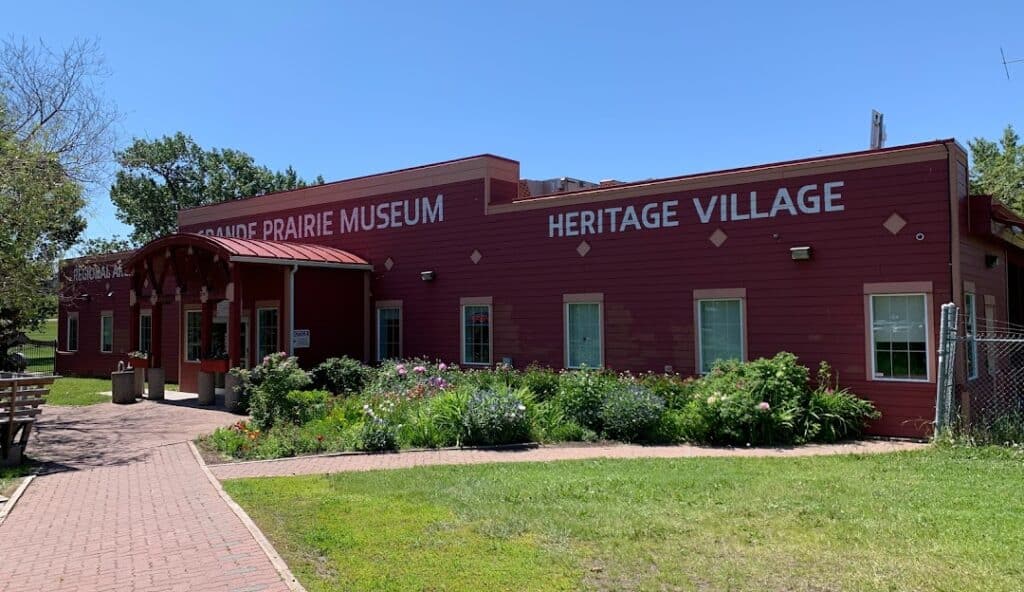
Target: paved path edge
(275, 559)
(9, 504)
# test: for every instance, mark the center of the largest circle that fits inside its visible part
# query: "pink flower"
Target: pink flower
(400, 370)
(419, 369)
(442, 366)
(764, 406)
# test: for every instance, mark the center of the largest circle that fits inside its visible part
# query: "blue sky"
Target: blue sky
(624, 90)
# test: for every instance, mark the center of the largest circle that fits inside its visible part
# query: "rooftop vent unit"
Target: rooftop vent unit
(559, 185)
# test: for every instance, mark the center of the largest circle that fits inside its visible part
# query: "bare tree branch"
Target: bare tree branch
(54, 99)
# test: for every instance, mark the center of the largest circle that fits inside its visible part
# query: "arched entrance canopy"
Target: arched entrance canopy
(249, 250)
(200, 270)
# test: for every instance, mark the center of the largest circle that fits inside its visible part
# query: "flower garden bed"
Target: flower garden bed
(343, 405)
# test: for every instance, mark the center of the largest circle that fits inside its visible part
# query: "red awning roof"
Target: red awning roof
(249, 250)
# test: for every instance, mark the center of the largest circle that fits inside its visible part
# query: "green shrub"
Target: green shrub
(753, 403)
(581, 394)
(278, 375)
(244, 386)
(341, 376)
(497, 417)
(629, 412)
(229, 441)
(542, 382)
(675, 391)
(304, 406)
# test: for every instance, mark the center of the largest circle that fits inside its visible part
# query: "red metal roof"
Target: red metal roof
(251, 250)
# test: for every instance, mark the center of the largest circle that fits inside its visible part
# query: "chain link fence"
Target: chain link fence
(38, 355)
(981, 378)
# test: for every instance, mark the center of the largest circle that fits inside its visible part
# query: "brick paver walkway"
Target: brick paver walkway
(367, 462)
(123, 505)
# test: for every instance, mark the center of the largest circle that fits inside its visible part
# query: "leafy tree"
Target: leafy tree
(100, 246)
(159, 177)
(999, 168)
(41, 207)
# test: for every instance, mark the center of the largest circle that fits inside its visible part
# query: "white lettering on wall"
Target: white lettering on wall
(96, 271)
(381, 216)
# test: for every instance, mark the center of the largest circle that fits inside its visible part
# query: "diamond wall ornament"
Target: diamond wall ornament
(475, 256)
(388, 264)
(894, 223)
(583, 248)
(718, 237)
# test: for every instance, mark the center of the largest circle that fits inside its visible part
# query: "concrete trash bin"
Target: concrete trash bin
(122, 386)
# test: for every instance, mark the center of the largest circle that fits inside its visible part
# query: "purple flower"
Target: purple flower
(764, 406)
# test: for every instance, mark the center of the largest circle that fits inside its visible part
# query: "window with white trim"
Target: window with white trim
(146, 332)
(476, 334)
(71, 339)
(193, 335)
(720, 331)
(971, 326)
(583, 335)
(266, 332)
(389, 333)
(899, 336)
(106, 332)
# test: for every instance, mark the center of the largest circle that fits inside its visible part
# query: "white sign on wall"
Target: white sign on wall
(300, 338)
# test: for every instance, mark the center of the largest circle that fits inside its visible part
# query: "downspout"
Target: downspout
(291, 309)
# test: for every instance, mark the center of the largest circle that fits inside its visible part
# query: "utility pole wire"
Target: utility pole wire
(1006, 62)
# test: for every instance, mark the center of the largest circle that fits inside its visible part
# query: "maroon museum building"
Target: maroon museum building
(844, 258)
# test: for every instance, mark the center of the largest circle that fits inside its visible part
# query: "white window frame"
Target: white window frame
(146, 313)
(103, 319)
(259, 331)
(198, 313)
(476, 302)
(927, 337)
(972, 343)
(571, 299)
(700, 328)
(388, 305)
(73, 316)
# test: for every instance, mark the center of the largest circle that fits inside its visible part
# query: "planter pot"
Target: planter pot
(156, 378)
(140, 382)
(213, 365)
(206, 389)
(138, 362)
(231, 398)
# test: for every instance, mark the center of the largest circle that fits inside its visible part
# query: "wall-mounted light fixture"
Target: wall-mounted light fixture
(800, 253)
(991, 261)
(427, 276)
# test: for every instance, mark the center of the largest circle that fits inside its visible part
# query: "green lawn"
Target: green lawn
(46, 332)
(10, 477)
(78, 391)
(83, 391)
(946, 519)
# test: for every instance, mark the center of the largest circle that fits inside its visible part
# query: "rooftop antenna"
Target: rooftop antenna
(1006, 62)
(877, 130)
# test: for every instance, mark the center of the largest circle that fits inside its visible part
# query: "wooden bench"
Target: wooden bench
(20, 398)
